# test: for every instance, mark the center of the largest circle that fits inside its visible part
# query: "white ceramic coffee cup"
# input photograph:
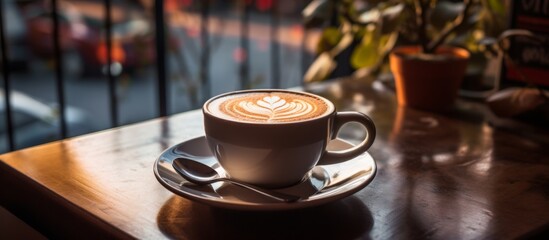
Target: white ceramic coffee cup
(276, 155)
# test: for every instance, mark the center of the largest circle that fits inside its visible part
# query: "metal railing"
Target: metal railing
(6, 76)
(161, 63)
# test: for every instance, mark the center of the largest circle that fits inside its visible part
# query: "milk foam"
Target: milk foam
(269, 107)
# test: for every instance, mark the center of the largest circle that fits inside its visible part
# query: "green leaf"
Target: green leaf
(369, 16)
(320, 68)
(366, 53)
(387, 42)
(364, 56)
(343, 43)
(392, 18)
(329, 39)
(389, 17)
(332, 35)
(373, 48)
(497, 6)
(317, 12)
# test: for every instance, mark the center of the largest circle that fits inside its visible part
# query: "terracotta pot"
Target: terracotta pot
(429, 82)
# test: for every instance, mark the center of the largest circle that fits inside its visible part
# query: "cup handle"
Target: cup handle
(345, 117)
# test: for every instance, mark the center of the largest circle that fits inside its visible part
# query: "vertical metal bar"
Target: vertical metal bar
(275, 58)
(205, 55)
(304, 60)
(6, 76)
(112, 81)
(161, 57)
(245, 46)
(60, 84)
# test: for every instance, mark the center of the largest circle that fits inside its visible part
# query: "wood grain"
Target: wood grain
(441, 175)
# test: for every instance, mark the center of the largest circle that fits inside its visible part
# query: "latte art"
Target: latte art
(269, 107)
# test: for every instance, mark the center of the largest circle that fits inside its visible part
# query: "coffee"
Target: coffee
(273, 138)
(269, 107)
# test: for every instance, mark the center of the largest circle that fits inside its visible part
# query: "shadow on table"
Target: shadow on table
(345, 219)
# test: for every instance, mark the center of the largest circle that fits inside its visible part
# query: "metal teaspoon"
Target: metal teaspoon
(201, 174)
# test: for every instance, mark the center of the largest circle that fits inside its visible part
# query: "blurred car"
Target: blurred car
(35, 122)
(82, 35)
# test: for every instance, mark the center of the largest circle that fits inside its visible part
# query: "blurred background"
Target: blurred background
(211, 47)
(73, 67)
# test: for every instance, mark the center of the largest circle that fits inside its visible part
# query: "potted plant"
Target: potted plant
(420, 38)
(427, 75)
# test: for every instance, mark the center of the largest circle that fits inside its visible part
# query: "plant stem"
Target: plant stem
(458, 22)
(421, 22)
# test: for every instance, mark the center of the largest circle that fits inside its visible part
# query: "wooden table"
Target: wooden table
(442, 176)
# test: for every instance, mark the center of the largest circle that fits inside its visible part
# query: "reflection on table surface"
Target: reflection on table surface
(440, 175)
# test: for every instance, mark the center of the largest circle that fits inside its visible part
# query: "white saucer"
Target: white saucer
(342, 180)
